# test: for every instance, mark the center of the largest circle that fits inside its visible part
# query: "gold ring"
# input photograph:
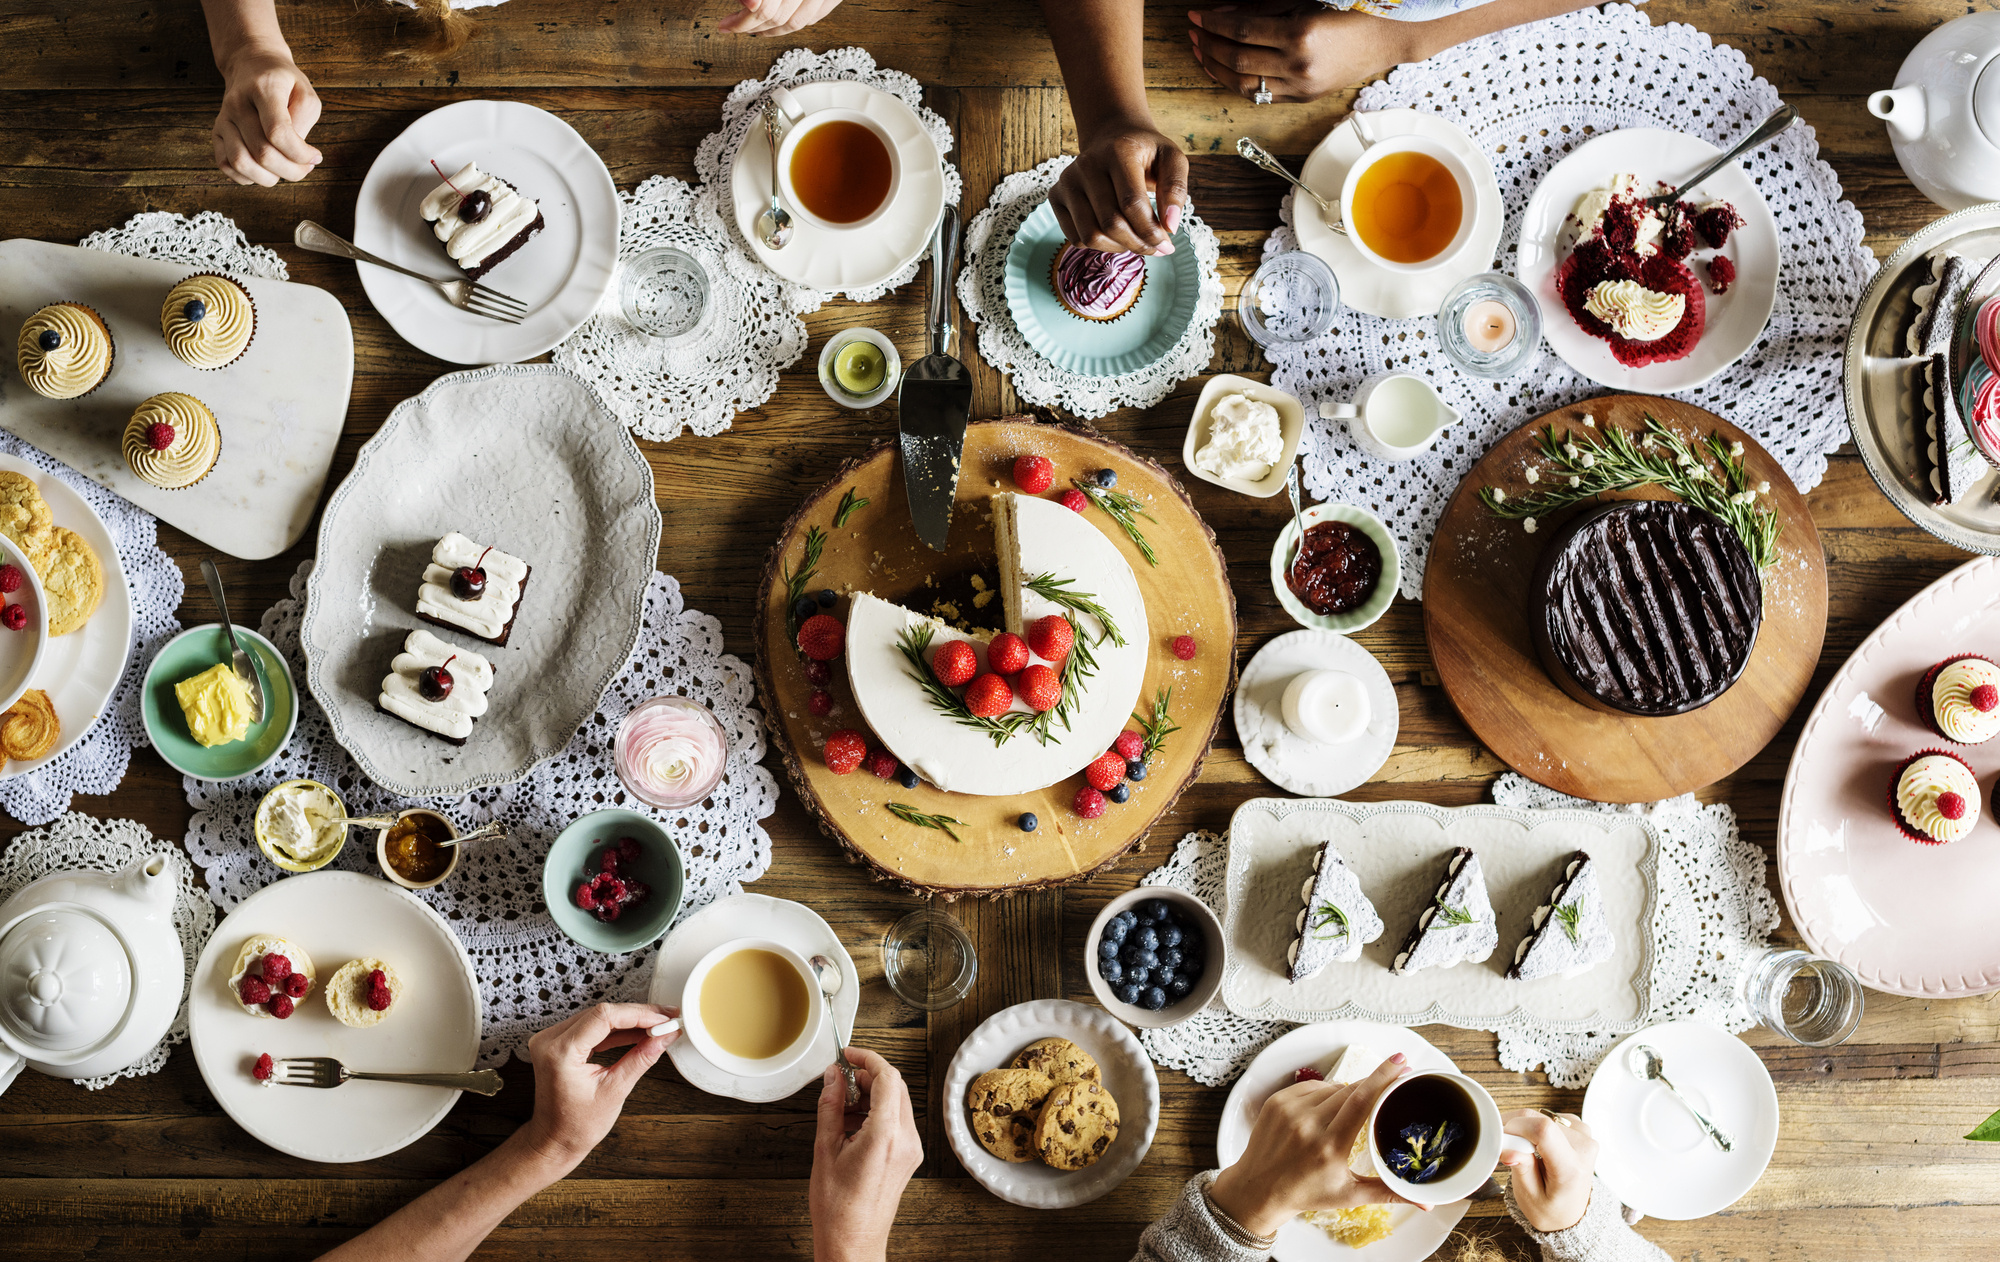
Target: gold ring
(1553, 1116)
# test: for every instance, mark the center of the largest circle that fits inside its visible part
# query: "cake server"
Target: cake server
(239, 661)
(935, 400)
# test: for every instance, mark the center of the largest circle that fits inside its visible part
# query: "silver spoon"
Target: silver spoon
(1298, 517)
(1259, 156)
(830, 981)
(495, 829)
(239, 660)
(774, 224)
(1645, 1062)
(1781, 118)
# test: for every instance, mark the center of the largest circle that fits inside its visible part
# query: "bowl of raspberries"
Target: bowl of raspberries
(613, 881)
(1154, 956)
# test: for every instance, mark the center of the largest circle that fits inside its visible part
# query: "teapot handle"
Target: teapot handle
(1903, 109)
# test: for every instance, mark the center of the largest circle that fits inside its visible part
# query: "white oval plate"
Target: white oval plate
(1735, 320)
(526, 458)
(852, 259)
(753, 916)
(562, 273)
(1651, 1153)
(1128, 1075)
(1288, 760)
(1417, 1234)
(433, 1028)
(80, 670)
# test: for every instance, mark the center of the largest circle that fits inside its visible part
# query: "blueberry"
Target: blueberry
(1115, 930)
(1135, 769)
(195, 310)
(1107, 949)
(1111, 971)
(1170, 957)
(1028, 822)
(1130, 917)
(1154, 999)
(49, 340)
(1145, 957)
(1148, 938)
(1179, 985)
(1156, 909)
(1129, 952)
(1107, 477)
(1138, 974)
(804, 608)
(906, 777)
(1129, 993)
(1120, 793)
(1170, 934)
(826, 598)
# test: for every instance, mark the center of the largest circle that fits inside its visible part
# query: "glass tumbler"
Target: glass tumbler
(1813, 1002)
(1292, 298)
(663, 293)
(928, 959)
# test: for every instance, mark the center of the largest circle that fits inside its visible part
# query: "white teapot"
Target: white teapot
(1944, 112)
(91, 970)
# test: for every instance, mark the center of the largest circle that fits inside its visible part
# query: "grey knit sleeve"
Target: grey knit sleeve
(1192, 1231)
(1599, 1236)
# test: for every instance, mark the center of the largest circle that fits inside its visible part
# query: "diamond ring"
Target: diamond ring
(1263, 94)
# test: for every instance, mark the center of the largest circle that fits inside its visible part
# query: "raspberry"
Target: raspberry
(637, 892)
(160, 436)
(255, 990)
(607, 861)
(844, 751)
(1951, 805)
(820, 703)
(586, 898)
(1074, 500)
(1034, 474)
(1107, 772)
(608, 912)
(612, 891)
(819, 674)
(1721, 274)
(379, 997)
(277, 968)
(297, 985)
(822, 637)
(883, 764)
(954, 663)
(988, 696)
(263, 1069)
(1041, 687)
(1089, 803)
(1129, 745)
(1007, 654)
(10, 578)
(1051, 638)
(282, 1006)
(14, 617)
(1184, 647)
(1306, 1073)
(629, 849)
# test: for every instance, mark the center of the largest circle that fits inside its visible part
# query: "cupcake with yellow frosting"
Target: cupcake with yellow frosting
(1959, 699)
(172, 441)
(1934, 797)
(208, 320)
(65, 351)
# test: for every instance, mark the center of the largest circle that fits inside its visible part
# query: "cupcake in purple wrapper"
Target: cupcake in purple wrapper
(1094, 285)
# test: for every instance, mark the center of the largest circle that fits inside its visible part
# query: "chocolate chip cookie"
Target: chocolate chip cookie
(1005, 1092)
(1078, 1123)
(1010, 1138)
(1062, 1060)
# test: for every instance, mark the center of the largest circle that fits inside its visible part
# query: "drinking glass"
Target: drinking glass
(1813, 1002)
(929, 959)
(1292, 298)
(663, 293)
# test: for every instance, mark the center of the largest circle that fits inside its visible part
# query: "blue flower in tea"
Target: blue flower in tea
(1420, 1150)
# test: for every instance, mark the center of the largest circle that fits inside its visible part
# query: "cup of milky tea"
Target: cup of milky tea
(752, 1007)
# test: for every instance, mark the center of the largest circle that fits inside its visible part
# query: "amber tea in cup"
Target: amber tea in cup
(840, 171)
(754, 1003)
(1407, 206)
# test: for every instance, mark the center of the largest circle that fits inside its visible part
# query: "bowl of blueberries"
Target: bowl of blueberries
(1156, 956)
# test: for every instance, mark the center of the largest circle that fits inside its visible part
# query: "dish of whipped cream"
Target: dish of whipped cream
(302, 821)
(1245, 439)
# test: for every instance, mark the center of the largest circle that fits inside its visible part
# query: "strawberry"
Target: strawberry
(1074, 500)
(954, 663)
(820, 703)
(844, 751)
(989, 695)
(1007, 654)
(1089, 803)
(1041, 687)
(1051, 638)
(1184, 647)
(822, 636)
(1106, 773)
(1034, 474)
(882, 763)
(1129, 745)
(1306, 1073)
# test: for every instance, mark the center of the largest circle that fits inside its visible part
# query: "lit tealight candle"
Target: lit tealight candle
(1489, 326)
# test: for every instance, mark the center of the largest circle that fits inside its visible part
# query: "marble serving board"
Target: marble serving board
(1397, 849)
(281, 405)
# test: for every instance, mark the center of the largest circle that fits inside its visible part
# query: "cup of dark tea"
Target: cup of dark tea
(1408, 203)
(838, 169)
(1435, 1136)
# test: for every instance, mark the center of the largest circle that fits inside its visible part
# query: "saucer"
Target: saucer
(1651, 1152)
(752, 916)
(1376, 290)
(1288, 760)
(856, 259)
(1147, 330)
(189, 654)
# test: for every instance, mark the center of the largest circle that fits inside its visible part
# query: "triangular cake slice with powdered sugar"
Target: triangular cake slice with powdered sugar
(1570, 933)
(1337, 919)
(1458, 925)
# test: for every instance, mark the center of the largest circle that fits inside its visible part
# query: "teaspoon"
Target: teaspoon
(1259, 156)
(1646, 1062)
(1298, 518)
(774, 224)
(830, 981)
(495, 829)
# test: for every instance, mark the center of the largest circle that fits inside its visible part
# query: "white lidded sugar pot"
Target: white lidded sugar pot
(1944, 112)
(91, 970)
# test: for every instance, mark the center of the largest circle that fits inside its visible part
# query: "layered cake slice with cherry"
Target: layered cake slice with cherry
(472, 587)
(436, 687)
(481, 219)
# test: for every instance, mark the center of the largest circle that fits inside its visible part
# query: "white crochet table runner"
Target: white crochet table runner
(1527, 97)
(112, 845)
(1714, 913)
(982, 292)
(530, 974)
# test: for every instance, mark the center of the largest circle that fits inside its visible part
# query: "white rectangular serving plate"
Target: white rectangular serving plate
(1397, 850)
(281, 405)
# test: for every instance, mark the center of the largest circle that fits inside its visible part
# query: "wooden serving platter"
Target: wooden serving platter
(878, 551)
(1476, 618)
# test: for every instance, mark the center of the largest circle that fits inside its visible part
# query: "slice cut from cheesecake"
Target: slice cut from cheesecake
(1337, 919)
(1043, 548)
(1570, 933)
(1458, 925)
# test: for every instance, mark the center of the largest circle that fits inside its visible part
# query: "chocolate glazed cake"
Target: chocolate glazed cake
(1646, 607)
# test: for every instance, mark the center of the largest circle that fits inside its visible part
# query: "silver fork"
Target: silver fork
(466, 295)
(325, 1071)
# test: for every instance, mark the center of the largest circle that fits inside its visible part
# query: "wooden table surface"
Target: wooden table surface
(106, 111)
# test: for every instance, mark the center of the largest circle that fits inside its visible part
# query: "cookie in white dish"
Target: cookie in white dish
(1458, 926)
(1337, 918)
(1570, 934)
(473, 587)
(412, 693)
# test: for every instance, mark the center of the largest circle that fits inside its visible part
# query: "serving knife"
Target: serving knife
(935, 399)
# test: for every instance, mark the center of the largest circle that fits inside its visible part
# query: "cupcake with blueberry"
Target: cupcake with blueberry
(1959, 699)
(1934, 797)
(1093, 285)
(208, 320)
(65, 351)
(172, 441)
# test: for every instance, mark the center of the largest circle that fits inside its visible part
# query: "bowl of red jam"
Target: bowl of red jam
(1345, 576)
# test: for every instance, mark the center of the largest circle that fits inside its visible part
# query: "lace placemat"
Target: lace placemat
(717, 154)
(208, 240)
(1527, 97)
(982, 291)
(112, 845)
(530, 974)
(1714, 914)
(732, 362)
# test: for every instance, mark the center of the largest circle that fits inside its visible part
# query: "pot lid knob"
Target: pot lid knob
(65, 981)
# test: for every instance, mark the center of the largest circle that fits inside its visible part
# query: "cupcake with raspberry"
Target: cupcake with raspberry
(172, 441)
(1934, 798)
(1959, 699)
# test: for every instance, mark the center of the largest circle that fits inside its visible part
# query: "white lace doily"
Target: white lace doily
(982, 292)
(207, 240)
(1714, 914)
(112, 845)
(717, 154)
(1527, 97)
(529, 973)
(749, 335)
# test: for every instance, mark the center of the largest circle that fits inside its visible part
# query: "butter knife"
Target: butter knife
(245, 669)
(935, 400)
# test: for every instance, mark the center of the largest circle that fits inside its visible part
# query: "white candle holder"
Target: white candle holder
(1507, 359)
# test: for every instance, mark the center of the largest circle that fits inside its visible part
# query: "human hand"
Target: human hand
(576, 1099)
(775, 17)
(861, 1160)
(1300, 48)
(268, 106)
(1297, 1156)
(1100, 199)
(1552, 1184)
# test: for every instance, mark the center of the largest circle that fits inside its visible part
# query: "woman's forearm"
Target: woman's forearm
(1100, 46)
(234, 25)
(447, 1223)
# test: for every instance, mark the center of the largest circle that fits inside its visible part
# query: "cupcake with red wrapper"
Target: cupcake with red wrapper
(1934, 798)
(1959, 699)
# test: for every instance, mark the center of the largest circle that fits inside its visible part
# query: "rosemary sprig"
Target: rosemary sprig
(1708, 473)
(1569, 915)
(914, 642)
(1453, 916)
(1325, 915)
(849, 505)
(1123, 509)
(1079, 666)
(1056, 591)
(1158, 727)
(795, 584)
(911, 815)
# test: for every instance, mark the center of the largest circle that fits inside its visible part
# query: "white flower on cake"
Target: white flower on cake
(1244, 439)
(1633, 311)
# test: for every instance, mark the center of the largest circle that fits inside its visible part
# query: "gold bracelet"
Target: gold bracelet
(1234, 1230)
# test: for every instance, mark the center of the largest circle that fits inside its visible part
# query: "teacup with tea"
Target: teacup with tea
(838, 169)
(1408, 203)
(752, 1007)
(1435, 1136)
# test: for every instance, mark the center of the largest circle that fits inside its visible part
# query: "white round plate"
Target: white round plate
(1417, 1234)
(1364, 285)
(1288, 760)
(1735, 320)
(1651, 1153)
(561, 273)
(433, 1027)
(1128, 1075)
(753, 916)
(80, 670)
(859, 258)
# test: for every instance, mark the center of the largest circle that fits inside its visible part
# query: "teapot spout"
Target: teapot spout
(149, 880)
(1903, 109)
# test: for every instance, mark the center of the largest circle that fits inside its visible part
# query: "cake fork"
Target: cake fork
(325, 1071)
(466, 295)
